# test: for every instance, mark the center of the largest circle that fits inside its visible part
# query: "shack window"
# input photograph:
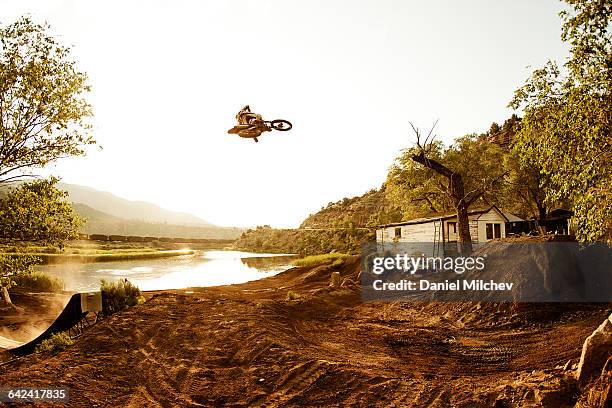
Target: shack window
(452, 227)
(398, 232)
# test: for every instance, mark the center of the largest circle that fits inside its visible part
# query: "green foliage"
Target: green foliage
(370, 209)
(414, 188)
(38, 282)
(120, 295)
(304, 241)
(43, 111)
(494, 128)
(332, 258)
(38, 211)
(525, 183)
(420, 191)
(568, 119)
(339, 262)
(291, 295)
(11, 266)
(512, 124)
(54, 344)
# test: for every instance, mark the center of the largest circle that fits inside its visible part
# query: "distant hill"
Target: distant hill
(367, 210)
(341, 226)
(108, 214)
(88, 213)
(131, 210)
(98, 222)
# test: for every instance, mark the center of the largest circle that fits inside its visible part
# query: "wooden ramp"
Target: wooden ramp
(71, 319)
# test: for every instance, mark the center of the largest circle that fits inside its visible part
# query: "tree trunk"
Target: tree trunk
(542, 219)
(6, 298)
(463, 222)
(457, 191)
(465, 238)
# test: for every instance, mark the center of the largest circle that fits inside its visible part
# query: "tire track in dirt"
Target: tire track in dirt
(163, 373)
(401, 395)
(297, 380)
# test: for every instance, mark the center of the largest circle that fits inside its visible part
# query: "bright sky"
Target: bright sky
(169, 76)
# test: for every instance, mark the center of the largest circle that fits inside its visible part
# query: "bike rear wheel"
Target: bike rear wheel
(281, 124)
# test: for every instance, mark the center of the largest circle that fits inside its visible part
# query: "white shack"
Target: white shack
(485, 225)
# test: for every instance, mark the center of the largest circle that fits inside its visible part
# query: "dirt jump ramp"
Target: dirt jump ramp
(79, 305)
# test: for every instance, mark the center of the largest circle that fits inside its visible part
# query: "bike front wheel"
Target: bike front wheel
(281, 124)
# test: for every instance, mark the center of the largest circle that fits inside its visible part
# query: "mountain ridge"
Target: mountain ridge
(98, 222)
(123, 208)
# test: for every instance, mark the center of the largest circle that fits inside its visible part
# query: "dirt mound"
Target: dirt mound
(549, 282)
(545, 272)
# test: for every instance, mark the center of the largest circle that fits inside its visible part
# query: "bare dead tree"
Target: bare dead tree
(454, 188)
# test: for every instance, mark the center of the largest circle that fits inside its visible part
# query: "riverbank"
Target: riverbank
(92, 251)
(249, 345)
(52, 259)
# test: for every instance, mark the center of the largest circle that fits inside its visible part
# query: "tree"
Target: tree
(42, 118)
(415, 189)
(11, 265)
(512, 124)
(495, 128)
(34, 211)
(42, 111)
(430, 178)
(524, 194)
(568, 119)
(524, 182)
(38, 211)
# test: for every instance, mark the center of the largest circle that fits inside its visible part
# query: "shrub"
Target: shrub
(334, 258)
(56, 343)
(304, 241)
(12, 265)
(291, 295)
(38, 282)
(338, 261)
(117, 296)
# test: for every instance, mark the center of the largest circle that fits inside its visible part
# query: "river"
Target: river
(204, 268)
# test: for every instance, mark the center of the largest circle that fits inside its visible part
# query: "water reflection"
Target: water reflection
(265, 263)
(206, 268)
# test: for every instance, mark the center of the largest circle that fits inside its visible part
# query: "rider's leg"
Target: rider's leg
(250, 132)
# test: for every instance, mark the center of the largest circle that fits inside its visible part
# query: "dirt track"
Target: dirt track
(245, 345)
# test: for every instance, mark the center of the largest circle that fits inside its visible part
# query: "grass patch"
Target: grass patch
(339, 261)
(84, 248)
(333, 258)
(38, 282)
(48, 258)
(291, 295)
(120, 295)
(56, 343)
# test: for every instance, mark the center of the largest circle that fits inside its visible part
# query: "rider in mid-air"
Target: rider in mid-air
(250, 124)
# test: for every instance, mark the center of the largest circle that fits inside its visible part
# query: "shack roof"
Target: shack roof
(508, 216)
